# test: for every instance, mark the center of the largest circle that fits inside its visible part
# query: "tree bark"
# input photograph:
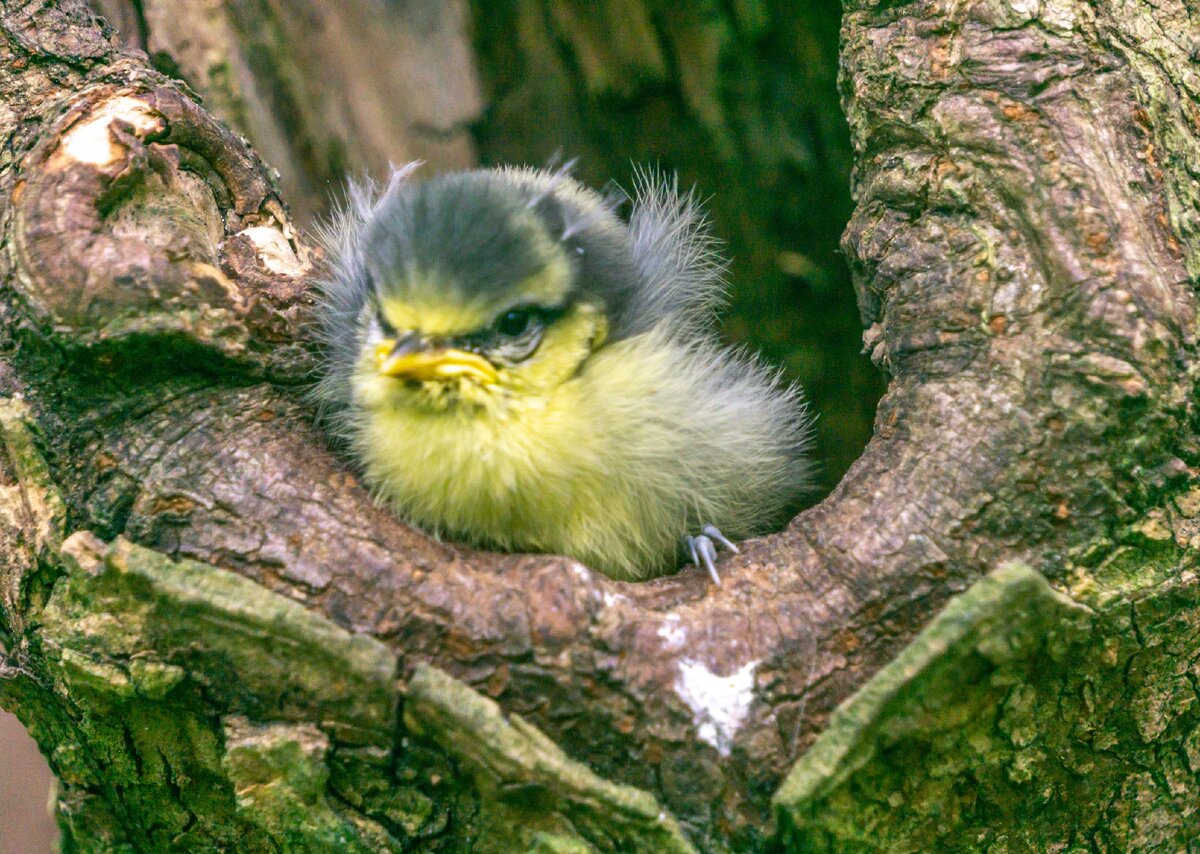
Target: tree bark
(321, 88)
(219, 641)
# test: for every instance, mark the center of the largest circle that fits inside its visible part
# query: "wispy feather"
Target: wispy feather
(676, 253)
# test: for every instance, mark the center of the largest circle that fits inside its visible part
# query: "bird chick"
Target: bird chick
(515, 366)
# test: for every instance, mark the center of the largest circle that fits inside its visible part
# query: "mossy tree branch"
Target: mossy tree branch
(218, 639)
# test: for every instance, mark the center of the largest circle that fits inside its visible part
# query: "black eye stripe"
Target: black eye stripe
(514, 334)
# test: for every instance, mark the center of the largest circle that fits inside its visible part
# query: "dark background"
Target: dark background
(741, 100)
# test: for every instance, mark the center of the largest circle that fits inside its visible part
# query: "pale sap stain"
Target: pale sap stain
(91, 142)
(611, 599)
(673, 634)
(274, 250)
(719, 704)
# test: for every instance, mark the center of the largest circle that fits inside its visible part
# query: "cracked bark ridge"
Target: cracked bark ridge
(137, 214)
(1023, 258)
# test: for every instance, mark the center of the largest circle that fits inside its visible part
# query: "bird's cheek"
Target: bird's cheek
(370, 389)
(566, 346)
(546, 371)
(474, 394)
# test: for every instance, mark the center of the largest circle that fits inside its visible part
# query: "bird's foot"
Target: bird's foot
(703, 550)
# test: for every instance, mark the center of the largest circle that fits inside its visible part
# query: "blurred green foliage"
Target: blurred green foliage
(740, 99)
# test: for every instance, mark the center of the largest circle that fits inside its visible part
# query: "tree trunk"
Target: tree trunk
(219, 641)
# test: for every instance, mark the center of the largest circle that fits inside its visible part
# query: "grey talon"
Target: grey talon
(708, 554)
(689, 543)
(714, 533)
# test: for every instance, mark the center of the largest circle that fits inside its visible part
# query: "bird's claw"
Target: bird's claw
(703, 551)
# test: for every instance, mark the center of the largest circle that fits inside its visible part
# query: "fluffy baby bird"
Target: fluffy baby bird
(515, 366)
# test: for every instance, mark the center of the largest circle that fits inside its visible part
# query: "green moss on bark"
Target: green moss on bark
(176, 706)
(1018, 720)
(532, 795)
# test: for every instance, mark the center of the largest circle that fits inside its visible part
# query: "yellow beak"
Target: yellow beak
(438, 364)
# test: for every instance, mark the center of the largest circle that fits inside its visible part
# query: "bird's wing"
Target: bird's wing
(673, 247)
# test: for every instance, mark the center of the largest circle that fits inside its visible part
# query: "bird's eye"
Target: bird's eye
(515, 335)
(515, 322)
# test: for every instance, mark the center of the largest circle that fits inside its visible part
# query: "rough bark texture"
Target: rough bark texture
(322, 88)
(218, 640)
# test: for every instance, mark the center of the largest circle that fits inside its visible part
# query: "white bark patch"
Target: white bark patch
(90, 141)
(274, 250)
(719, 704)
(1059, 15)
